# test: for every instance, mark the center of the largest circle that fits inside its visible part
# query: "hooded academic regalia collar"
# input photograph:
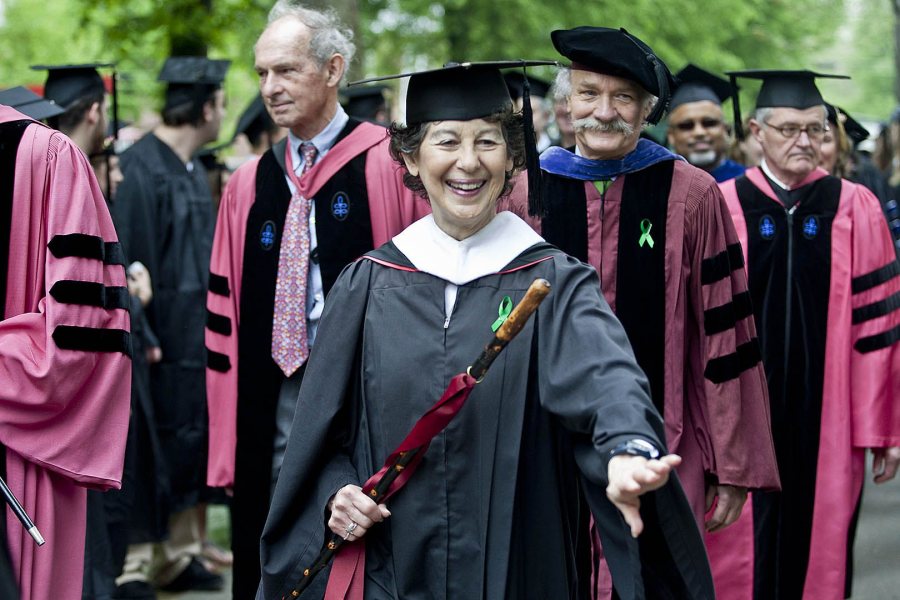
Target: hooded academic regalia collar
(432, 251)
(560, 161)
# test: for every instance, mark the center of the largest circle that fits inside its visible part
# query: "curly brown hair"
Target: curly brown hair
(406, 139)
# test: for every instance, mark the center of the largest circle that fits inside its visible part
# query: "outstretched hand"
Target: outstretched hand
(353, 513)
(631, 476)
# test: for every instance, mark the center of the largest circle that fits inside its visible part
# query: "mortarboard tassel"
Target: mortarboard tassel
(532, 161)
(736, 109)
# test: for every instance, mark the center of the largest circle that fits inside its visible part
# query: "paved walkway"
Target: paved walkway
(877, 548)
(877, 560)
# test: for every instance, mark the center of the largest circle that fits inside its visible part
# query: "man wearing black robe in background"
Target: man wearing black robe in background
(164, 211)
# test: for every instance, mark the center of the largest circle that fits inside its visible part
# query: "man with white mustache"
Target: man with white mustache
(658, 232)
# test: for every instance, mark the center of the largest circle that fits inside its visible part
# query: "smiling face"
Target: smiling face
(607, 113)
(299, 94)
(463, 166)
(791, 159)
(697, 132)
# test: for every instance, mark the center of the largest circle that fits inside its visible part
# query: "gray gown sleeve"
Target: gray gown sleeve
(589, 379)
(316, 462)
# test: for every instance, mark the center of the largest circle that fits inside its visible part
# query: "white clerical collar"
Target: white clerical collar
(323, 141)
(775, 180)
(460, 261)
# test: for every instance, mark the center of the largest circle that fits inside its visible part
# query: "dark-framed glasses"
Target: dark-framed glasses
(790, 131)
(705, 123)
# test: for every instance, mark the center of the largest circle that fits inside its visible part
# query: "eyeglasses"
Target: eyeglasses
(815, 131)
(706, 123)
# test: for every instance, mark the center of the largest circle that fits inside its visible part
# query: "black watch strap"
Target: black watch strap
(636, 447)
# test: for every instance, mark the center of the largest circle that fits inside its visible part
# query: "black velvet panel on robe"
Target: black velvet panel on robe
(10, 137)
(565, 224)
(343, 232)
(641, 271)
(789, 255)
(497, 507)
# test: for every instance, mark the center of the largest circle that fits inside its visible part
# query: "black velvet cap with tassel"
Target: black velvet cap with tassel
(472, 90)
(617, 53)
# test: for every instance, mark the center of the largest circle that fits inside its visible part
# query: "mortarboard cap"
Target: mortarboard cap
(29, 104)
(194, 70)
(781, 89)
(855, 131)
(363, 102)
(515, 81)
(472, 90)
(66, 84)
(457, 91)
(254, 120)
(697, 85)
(191, 78)
(618, 53)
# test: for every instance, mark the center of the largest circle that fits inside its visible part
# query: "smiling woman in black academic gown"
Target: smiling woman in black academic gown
(499, 505)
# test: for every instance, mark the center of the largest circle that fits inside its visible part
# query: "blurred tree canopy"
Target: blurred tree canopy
(395, 35)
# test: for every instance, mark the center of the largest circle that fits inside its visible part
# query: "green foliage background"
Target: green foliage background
(848, 36)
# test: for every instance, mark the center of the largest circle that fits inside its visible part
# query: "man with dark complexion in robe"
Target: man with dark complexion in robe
(288, 224)
(659, 234)
(165, 212)
(697, 127)
(824, 282)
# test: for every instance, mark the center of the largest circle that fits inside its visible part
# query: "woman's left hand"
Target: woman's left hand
(631, 476)
(353, 513)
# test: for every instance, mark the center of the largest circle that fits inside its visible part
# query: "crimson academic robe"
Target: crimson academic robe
(499, 505)
(825, 286)
(360, 203)
(685, 306)
(64, 344)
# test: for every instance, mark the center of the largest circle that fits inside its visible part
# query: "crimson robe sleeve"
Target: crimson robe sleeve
(64, 357)
(727, 390)
(223, 307)
(875, 330)
(392, 206)
(516, 201)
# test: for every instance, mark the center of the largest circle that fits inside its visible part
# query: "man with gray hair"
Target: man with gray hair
(288, 223)
(825, 283)
(658, 232)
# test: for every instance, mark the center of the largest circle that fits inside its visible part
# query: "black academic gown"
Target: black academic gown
(164, 215)
(499, 505)
(139, 512)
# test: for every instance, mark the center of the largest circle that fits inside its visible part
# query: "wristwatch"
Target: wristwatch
(636, 447)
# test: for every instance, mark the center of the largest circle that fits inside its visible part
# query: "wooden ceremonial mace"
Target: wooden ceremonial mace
(513, 324)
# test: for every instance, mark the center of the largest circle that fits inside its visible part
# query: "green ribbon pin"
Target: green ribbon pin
(504, 310)
(646, 226)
